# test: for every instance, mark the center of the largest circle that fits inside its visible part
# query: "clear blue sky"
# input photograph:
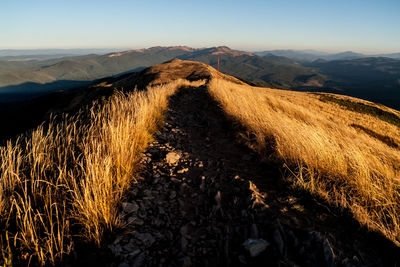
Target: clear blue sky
(333, 25)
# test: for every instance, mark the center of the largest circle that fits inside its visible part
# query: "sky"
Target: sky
(368, 26)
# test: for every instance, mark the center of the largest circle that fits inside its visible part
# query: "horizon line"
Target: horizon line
(125, 48)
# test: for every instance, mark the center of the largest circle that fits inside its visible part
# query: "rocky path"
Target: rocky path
(198, 205)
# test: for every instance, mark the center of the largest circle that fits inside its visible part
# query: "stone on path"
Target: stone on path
(172, 157)
(255, 246)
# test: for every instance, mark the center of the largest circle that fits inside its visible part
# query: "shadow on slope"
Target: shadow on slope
(31, 90)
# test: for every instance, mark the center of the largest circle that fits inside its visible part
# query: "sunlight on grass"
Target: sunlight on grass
(66, 180)
(329, 157)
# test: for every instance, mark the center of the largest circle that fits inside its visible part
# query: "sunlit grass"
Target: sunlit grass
(329, 157)
(65, 181)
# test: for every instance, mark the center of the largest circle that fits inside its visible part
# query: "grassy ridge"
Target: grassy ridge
(64, 183)
(327, 155)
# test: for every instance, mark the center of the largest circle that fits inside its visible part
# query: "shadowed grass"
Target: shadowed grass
(383, 138)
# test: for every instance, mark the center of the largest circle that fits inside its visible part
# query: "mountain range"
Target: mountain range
(372, 78)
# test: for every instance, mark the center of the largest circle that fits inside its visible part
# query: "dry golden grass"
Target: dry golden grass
(328, 157)
(67, 179)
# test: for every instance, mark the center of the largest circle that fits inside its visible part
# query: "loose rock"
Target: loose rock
(172, 158)
(130, 207)
(255, 246)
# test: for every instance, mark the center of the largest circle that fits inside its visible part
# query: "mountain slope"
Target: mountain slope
(222, 173)
(86, 68)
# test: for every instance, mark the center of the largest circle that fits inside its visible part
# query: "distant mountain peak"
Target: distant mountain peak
(181, 47)
(163, 48)
(223, 50)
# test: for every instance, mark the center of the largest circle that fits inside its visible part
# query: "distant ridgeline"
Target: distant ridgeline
(372, 78)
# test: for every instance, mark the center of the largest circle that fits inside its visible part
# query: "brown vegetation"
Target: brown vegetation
(67, 178)
(318, 143)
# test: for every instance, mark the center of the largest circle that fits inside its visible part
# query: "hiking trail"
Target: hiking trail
(205, 199)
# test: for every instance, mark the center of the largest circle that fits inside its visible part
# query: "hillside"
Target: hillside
(311, 55)
(172, 166)
(85, 68)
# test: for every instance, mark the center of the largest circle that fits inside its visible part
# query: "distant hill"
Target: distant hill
(54, 52)
(281, 59)
(311, 55)
(83, 68)
(348, 55)
(393, 55)
(294, 54)
(375, 78)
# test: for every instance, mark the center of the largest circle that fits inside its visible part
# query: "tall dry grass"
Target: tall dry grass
(328, 156)
(67, 178)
